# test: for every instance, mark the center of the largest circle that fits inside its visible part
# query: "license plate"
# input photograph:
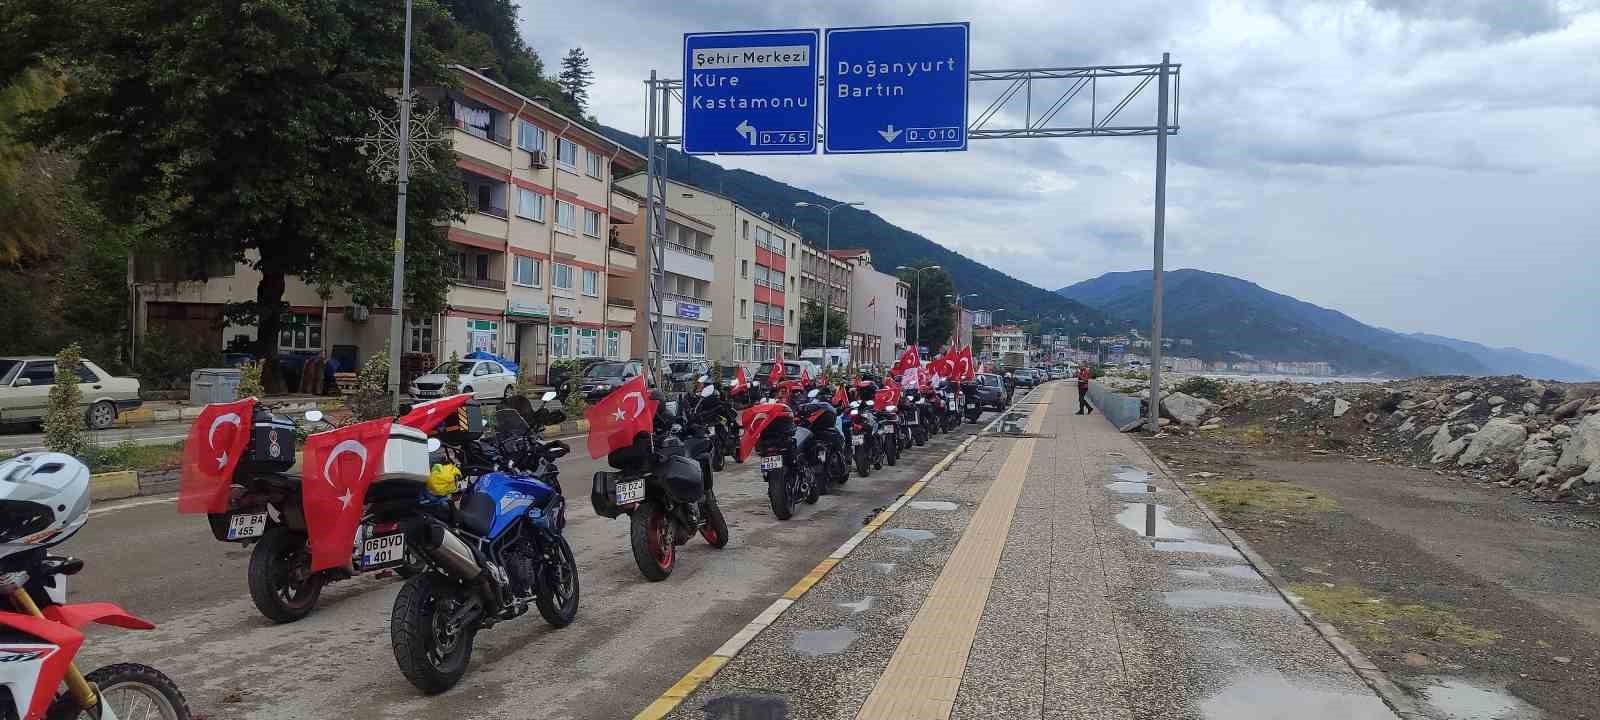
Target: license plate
(383, 551)
(858, 440)
(630, 491)
(886, 430)
(243, 526)
(771, 462)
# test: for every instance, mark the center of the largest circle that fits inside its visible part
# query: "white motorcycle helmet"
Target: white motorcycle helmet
(44, 499)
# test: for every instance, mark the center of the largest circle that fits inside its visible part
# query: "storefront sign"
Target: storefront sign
(689, 310)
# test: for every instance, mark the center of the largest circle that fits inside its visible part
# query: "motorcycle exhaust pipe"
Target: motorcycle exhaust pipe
(450, 552)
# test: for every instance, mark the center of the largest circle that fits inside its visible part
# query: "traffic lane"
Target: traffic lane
(18, 436)
(632, 638)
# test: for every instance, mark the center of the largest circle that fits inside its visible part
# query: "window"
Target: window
(763, 238)
(483, 336)
(761, 312)
(743, 310)
(699, 343)
(567, 152)
(744, 268)
(682, 345)
(40, 373)
(761, 275)
(596, 165)
(526, 271)
(791, 317)
(775, 280)
(591, 283)
(419, 334)
(561, 276)
(566, 217)
(530, 137)
(591, 222)
(300, 331)
(588, 342)
(791, 249)
(560, 342)
(745, 232)
(613, 344)
(530, 205)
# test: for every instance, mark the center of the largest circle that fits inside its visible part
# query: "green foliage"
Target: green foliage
(64, 419)
(371, 397)
(575, 78)
(938, 319)
(128, 456)
(164, 362)
(250, 379)
(1202, 387)
(811, 326)
(452, 383)
(485, 35)
(32, 180)
(574, 403)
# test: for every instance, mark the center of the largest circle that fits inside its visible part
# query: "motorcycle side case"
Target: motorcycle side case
(603, 494)
(272, 445)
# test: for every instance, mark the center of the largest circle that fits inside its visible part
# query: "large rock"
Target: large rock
(1444, 448)
(1497, 400)
(1567, 409)
(1498, 439)
(1185, 409)
(1537, 455)
(1464, 396)
(1583, 449)
(1340, 407)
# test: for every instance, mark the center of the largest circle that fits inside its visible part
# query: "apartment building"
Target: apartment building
(753, 315)
(1001, 339)
(878, 307)
(688, 277)
(824, 277)
(533, 263)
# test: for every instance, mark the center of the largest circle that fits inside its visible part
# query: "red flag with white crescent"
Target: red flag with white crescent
(216, 441)
(427, 416)
(619, 417)
(755, 419)
(908, 359)
(775, 376)
(340, 465)
(739, 379)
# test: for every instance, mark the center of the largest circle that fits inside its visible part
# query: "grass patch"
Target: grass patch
(1379, 620)
(1261, 496)
(128, 456)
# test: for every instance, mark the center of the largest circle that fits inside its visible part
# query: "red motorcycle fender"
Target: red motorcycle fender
(80, 615)
(52, 664)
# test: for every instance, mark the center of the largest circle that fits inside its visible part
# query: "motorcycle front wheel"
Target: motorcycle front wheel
(653, 540)
(431, 653)
(891, 449)
(863, 461)
(558, 586)
(122, 687)
(778, 493)
(282, 585)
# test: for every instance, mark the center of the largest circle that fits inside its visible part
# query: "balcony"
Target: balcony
(622, 256)
(620, 310)
(689, 262)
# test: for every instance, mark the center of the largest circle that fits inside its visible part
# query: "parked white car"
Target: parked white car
(25, 391)
(485, 379)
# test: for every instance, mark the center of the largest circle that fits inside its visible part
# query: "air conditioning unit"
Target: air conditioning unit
(357, 313)
(538, 159)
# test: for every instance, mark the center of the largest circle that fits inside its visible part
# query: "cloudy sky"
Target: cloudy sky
(1424, 165)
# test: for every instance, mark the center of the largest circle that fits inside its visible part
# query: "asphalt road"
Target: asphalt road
(632, 640)
(17, 436)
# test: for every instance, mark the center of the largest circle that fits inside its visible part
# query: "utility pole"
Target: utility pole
(397, 298)
(917, 279)
(827, 239)
(1160, 238)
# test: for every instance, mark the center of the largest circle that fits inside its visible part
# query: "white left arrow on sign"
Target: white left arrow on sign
(748, 132)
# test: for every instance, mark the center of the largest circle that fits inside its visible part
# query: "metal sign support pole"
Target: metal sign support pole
(1160, 242)
(397, 297)
(655, 220)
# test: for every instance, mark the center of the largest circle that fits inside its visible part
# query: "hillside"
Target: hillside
(1514, 361)
(890, 245)
(1224, 314)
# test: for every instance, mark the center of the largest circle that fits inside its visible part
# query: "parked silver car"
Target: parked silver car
(25, 384)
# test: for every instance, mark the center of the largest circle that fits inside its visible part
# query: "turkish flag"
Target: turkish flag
(739, 379)
(805, 375)
(427, 416)
(339, 467)
(618, 418)
(839, 398)
(755, 419)
(965, 364)
(883, 399)
(776, 375)
(908, 359)
(217, 440)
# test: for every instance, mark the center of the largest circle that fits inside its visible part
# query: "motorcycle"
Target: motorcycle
(950, 404)
(43, 633)
(664, 485)
(501, 552)
(715, 412)
(912, 414)
(264, 510)
(969, 394)
(865, 438)
(895, 437)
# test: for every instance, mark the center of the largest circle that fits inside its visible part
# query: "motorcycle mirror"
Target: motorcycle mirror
(707, 391)
(313, 416)
(548, 396)
(705, 378)
(676, 428)
(855, 403)
(812, 394)
(433, 445)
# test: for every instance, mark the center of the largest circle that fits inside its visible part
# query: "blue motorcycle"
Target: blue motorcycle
(492, 550)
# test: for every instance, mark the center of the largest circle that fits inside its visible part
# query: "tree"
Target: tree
(64, 419)
(576, 77)
(938, 312)
(811, 326)
(219, 129)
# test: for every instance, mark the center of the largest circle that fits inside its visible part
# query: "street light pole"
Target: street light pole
(397, 296)
(917, 279)
(827, 239)
(957, 298)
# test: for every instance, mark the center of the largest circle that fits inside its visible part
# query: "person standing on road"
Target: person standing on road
(1084, 408)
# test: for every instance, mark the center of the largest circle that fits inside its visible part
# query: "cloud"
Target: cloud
(1420, 164)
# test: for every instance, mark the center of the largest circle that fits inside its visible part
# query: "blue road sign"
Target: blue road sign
(750, 93)
(900, 88)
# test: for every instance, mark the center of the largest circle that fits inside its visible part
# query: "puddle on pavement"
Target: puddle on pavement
(1130, 473)
(1150, 520)
(1187, 574)
(883, 568)
(1129, 488)
(939, 505)
(1457, 699)
(747, 707)
(1211, 599)
(832, 641)
(1190, 546)
(911, 534)
(1271, 695)
(1242, 572)
(859, 606)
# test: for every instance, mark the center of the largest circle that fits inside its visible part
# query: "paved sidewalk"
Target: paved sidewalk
(1053, 576)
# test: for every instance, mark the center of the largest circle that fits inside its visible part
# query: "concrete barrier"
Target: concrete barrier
(113, 485)
(1122, 411)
